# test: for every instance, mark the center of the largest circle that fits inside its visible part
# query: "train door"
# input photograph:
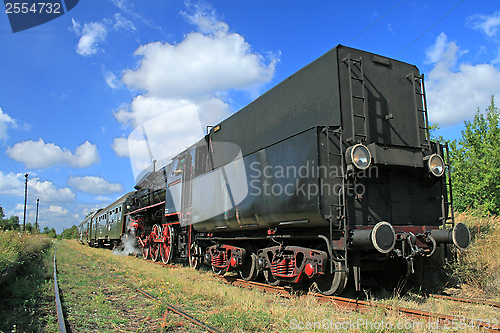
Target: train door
(88, 231)
(187, 176)
(174, 189)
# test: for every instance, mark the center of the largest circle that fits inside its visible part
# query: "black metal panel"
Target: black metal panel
(306, 99)
(282, 185)
(398, 195)
(391, 111)
(401, 156)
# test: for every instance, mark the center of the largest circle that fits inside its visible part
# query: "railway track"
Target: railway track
(466, 300)
(171, 308)
(445, 321)
(60, 314)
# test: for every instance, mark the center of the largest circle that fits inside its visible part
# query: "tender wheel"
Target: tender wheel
(166, 247)
(270, 279)
(331, 283)
(248, 270)
(219, 271)
(195, 256)
(155, 247)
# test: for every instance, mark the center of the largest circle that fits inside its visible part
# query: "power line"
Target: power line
(8, 163)
(432, 26)
(374, 22)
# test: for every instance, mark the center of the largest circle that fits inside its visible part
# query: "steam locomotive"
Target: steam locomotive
(329, 175)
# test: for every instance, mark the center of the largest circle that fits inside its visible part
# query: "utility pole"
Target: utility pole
(25, 199)
(36, 221)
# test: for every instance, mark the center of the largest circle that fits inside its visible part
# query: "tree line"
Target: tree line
(12, 223)
(475, 163)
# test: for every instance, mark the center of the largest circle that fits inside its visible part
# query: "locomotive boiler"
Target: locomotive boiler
(329, 175)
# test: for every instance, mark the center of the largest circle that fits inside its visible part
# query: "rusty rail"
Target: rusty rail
(365, 306)
(466, 300)
(60, 314)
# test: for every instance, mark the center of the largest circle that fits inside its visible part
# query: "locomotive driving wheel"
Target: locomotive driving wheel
(155, 246)
(144, 241)
(166, 246)
(331, 283)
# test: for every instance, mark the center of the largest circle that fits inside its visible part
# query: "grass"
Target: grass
(233, 309)
(93, 301)
(26, 286)
(478, 268)
(16, 248)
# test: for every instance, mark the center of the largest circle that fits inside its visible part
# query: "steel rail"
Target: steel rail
(60, 314)
(169, 307)
(362, 306)
(467, 300)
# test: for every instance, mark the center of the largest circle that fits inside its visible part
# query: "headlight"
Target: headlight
(435, 164)
(359, 155)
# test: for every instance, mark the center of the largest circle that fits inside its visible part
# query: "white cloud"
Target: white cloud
(454, 95)
(193, 74)
(94, 33)
(48, 193)
(435, 52)
(166, 116)
(6, 122)
(94, 185)
(144, 108)
(199, 65)
(120, 147)
(149, 140)
(13, 185)
(41, 155)
(53, 216)
(121, 4)
(205, 62)
(91, 34)
(123, 23)
(488, 24)
(111, 80)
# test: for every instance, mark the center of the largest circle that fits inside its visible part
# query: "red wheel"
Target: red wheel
(166, 246)
(155, 247)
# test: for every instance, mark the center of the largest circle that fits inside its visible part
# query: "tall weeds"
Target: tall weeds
(17, 247)
(479, 266)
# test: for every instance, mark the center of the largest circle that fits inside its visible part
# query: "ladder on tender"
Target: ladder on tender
(357, 78)
(419, 96)
(332, 137)
(447, 212)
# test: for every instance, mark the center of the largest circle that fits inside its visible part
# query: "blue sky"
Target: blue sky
(73, 90)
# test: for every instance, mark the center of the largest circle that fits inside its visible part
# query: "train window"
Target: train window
(179, 164)
(202, 164)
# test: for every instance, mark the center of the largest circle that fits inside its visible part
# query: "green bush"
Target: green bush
(17, 247)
